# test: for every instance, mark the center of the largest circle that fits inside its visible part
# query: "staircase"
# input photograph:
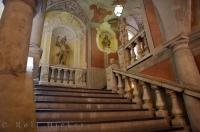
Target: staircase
(61, 109)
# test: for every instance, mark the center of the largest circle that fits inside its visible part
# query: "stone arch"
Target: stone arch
(61, 20)
(70, 6)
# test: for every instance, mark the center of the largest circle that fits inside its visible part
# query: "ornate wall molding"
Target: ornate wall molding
(70, 6)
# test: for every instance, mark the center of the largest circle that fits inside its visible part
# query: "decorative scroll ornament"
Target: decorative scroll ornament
(106, 39)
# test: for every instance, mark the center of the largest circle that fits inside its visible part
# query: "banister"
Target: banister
(170, 85)
(134, 38)
(57, 75)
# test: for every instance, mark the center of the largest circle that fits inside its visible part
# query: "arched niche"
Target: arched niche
(57, 48)
(64, 24)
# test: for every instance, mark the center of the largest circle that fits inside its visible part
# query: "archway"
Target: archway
(63, 24)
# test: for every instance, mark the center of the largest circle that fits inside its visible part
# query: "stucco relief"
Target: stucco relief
(106, 38)
(70, 6)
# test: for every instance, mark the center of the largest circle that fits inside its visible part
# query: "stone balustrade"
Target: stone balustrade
(164, 98)
(63, 76)
(136, 50)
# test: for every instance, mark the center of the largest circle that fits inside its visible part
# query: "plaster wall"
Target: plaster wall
(162, 70)
(167, 17)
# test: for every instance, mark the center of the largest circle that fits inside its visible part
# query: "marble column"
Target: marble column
(17, 112)
(36, 35)
(187, 73)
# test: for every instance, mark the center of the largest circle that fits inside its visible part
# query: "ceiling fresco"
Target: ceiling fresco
(98, 11)
(131, 8)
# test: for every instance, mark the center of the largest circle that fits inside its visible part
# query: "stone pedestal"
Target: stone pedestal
(17, 112)
(36, 35)
(187, 73)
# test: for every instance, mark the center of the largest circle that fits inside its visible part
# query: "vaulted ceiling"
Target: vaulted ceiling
(98, 11)
(131, 8)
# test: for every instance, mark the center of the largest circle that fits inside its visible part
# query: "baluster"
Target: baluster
(127, 57)
(148, 104)
(136, 92)
(84, 78)
(133, 56)
(139, 49)
(128, 89)
(145, 44)
(120, 85)
(177, 112)
(52, 80)
(59, 75)
(71, 79)
(114, 82)
(65, 77)
(160, 103)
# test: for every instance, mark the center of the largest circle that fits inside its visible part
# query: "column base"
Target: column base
(17, 103)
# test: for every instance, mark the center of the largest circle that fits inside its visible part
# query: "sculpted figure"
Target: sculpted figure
(106, 42)
(63, 50)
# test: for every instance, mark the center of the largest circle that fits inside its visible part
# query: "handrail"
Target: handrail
(163, 83)
(135, 50)
(134, 38)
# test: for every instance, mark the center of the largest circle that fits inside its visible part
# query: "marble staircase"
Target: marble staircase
(61, 109)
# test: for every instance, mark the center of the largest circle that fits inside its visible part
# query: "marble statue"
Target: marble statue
(63, 50)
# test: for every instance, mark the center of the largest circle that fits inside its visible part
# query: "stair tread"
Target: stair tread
(101, 102)
(71, 122)
(86, 106)
(80, 100)
(74, 90)
(80, 96)
(93, 116)
(84, 111)
(120, 126)
(174, 128)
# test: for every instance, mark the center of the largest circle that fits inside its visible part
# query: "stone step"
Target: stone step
(76, 94)
(62, 89)
(149, 125)
(80, 99)
(63, 115)
(172, 129)
(86, 106)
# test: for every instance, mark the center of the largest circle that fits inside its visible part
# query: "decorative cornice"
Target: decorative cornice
(71, 6)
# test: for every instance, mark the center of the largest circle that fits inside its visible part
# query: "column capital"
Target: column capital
(180, 42)
(32, 3)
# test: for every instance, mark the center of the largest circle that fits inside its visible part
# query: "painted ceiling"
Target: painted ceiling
(131, 7)
(98, 11)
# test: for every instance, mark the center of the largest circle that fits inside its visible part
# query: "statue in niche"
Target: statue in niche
(106, 42)
(63, 50)
(123, 33)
